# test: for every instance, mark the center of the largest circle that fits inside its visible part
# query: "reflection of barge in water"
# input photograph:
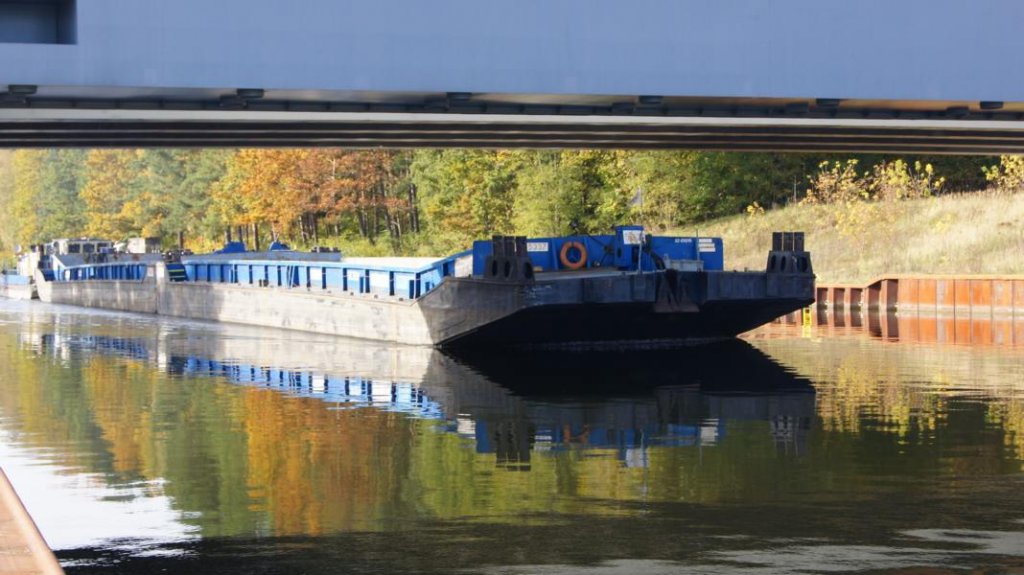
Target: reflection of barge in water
(624, 401)
(625, 288)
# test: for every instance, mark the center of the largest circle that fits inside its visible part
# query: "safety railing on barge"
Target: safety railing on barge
(410, 283)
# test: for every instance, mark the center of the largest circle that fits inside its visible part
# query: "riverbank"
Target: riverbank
(980, 233)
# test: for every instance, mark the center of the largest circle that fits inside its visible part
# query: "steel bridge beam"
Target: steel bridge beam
(52, 127)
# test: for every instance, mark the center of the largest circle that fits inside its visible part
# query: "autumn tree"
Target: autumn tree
(259, 187)
(369, 184)
(117, 203)
(44, 200)
(26, 167)
(8, 225)
(403, 201)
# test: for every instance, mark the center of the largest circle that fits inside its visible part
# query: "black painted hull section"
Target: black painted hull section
(627, 324)
(639, 313)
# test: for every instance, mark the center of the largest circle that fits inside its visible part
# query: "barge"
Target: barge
(624, 289)
(18, 283)
(16, 286)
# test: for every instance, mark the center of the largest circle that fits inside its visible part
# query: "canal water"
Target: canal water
(144, 444)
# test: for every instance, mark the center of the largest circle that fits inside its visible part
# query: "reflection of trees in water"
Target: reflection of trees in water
(121, 414)
(1009, 416)
(867, 392)
(905, 390)
(240, 459)
(45, 401)
(312, 469)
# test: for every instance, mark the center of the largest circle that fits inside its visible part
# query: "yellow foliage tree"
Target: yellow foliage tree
(896, 180)
(27, 167)
(1008, 176)
(261, 187)
(111, 211)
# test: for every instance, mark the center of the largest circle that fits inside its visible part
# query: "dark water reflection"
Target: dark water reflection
(144, 444)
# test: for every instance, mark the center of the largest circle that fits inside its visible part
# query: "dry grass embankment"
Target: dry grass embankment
(980, 233)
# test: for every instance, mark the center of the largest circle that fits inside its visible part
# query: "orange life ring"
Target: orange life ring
(563, 255)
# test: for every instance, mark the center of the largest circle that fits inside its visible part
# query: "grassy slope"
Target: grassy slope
(957, 234)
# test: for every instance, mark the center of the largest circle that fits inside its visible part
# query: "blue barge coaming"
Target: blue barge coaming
(623, 289)
(131, 271)
(409, 282)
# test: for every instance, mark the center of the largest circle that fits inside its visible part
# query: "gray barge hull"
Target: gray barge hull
(12, 291)
(580, 309)
(20, 289)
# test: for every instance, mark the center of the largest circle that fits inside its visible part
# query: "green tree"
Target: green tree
(657, 181)
(62, 178)
(719, 183)
(182, 183)
(560, 191)
(466, 194)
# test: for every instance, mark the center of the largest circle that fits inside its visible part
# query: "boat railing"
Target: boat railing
(377, 279)
(123, 271)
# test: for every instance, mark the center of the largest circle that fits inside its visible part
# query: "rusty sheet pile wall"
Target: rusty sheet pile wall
(935, 295)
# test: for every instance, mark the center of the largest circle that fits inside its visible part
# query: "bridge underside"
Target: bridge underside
(252, 118)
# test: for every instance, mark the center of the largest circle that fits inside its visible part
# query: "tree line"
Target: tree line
(397, 201)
